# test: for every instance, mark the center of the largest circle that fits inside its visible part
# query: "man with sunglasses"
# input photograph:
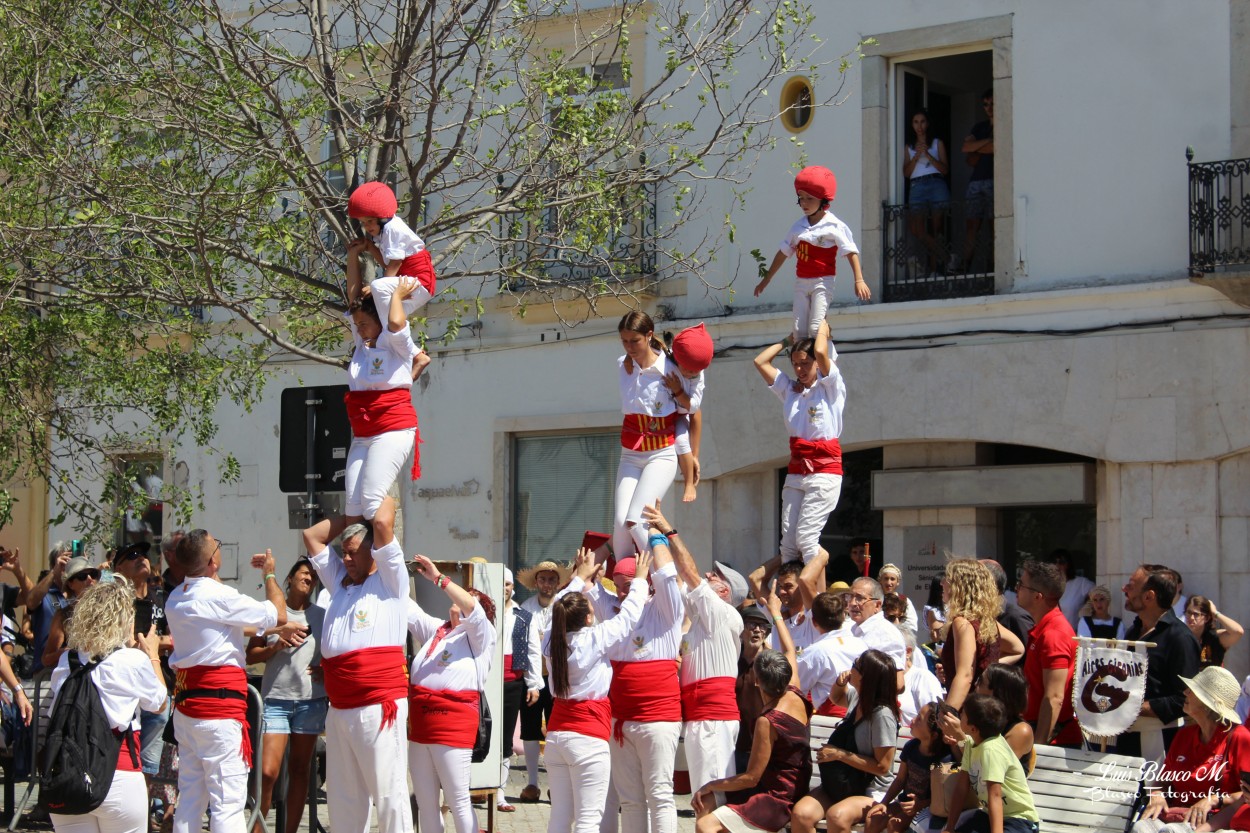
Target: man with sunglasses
(1050, 658)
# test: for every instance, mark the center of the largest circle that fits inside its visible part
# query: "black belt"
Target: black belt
(926, 176)
(208, 693)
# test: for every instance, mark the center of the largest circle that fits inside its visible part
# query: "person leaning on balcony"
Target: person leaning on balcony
(978, 148)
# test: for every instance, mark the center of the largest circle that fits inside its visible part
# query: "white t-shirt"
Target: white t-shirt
(288, 673)
(590, 670)
(206, 620)
(658, 632)
(397, 241)
(802, 631)
(127, 682)
(920, 688)
(1073, 598)
(712, 645)
(385, 366)
(644, 391)
(372, 614)
(826, 233)
(694, 389)
(826, 658)
(813, 413)
(461, 659)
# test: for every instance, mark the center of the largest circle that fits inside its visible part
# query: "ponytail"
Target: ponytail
(568, 615)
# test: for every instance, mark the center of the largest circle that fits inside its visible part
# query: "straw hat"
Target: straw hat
(1218, 690)
(528, 577)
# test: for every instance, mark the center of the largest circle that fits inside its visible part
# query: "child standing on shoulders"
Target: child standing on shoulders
(816, 239)
(906, 803)
(692, 353)
(395, 246)
(992, 769)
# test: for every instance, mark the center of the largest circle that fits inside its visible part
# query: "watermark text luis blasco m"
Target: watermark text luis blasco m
(1117, 781)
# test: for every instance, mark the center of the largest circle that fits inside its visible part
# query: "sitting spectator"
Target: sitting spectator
(874, 716)
(1205, 759)
(920, 685)
(79, 575)
(294, 693)
(1216, 632)
(1006, 684)
(1099, 623)
(991, 767)
(906, 803)
(756, 631)
(780, 765)
(128, 679)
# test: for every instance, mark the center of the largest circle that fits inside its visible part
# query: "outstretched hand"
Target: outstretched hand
(425, 567)
(585, 567)
(263, 561)
(642, 563)
(407, 287)
(652, 515)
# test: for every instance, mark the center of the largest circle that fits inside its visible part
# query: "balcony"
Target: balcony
(1219, 216)
(549, 248)
(943, 250)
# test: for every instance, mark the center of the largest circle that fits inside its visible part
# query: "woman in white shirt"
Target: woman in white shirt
(448, 672)
(384, 363)
(578, 756)
(128, 679)
(925, 166)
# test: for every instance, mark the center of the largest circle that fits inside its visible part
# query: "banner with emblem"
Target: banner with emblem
(1109, 685)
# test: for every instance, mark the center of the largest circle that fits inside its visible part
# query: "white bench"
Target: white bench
(1075, 791)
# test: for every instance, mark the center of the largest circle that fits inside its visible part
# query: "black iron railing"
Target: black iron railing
(1219, 214)
(939, 250)
(536, 246)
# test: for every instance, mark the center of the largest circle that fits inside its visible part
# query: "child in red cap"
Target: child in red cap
(395, 246)
(692, 353)
(817, 239)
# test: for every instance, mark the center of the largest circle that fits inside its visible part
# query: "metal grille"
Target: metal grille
(1219, 214)
(930, 251)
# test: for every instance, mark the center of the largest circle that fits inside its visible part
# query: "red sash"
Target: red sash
(592, 718)
(508, 674)
(125, 763)
(815, 261)
(645, 692)
(367, 677)
(710, 699)
(215, 677)
(828, 709)
(815, 457)
(640, 432)
(373, 412)
(446, 717)
(420, 266)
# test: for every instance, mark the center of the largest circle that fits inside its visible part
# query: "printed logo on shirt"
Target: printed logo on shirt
(813, 413)
(375, 366)
(362, 617)
(685, 646)
(444, 659)
(639, 643)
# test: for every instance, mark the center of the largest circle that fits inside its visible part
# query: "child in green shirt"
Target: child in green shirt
(994, 771)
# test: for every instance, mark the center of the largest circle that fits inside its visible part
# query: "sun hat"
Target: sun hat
(528, 577)
(1218, 690)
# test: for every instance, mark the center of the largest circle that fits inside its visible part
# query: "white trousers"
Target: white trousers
(365, 769)
(642, 772)
(434, 766)
(121, 811)
(211, 775)
(811, 304)
(383, 288)
(578, 767)
(807, 500)
(642, 478)
(373, 463)
(710, 750)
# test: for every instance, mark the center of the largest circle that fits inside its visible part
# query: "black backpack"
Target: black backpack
(79, 756)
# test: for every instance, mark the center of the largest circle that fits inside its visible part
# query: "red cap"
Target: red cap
(373, 199)
(818, 181)
(692, 349)
(625, 567)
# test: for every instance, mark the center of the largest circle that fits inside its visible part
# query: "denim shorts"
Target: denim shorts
(296, 717)
(930, 189)
(981, 198)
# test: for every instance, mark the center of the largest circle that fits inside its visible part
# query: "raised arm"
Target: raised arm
(812, 579)
(318, 536)
(458, 595)
(12, 560)
(355, 283)
(397, 320)
(686, 568)
(822, 349)
(761, 575)
(764, 361)
(34, 598)
(773, 604)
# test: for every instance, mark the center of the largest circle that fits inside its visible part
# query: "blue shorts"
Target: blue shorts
(981, 198)
(296, 717)
(929, 190)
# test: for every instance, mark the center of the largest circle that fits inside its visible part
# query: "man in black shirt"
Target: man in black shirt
(849, 567)
(1149, 593)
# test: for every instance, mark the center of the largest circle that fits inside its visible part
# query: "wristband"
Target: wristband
(442, 582)
(657, 538)
(779, 618)
(671, 532)
(270, 576)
